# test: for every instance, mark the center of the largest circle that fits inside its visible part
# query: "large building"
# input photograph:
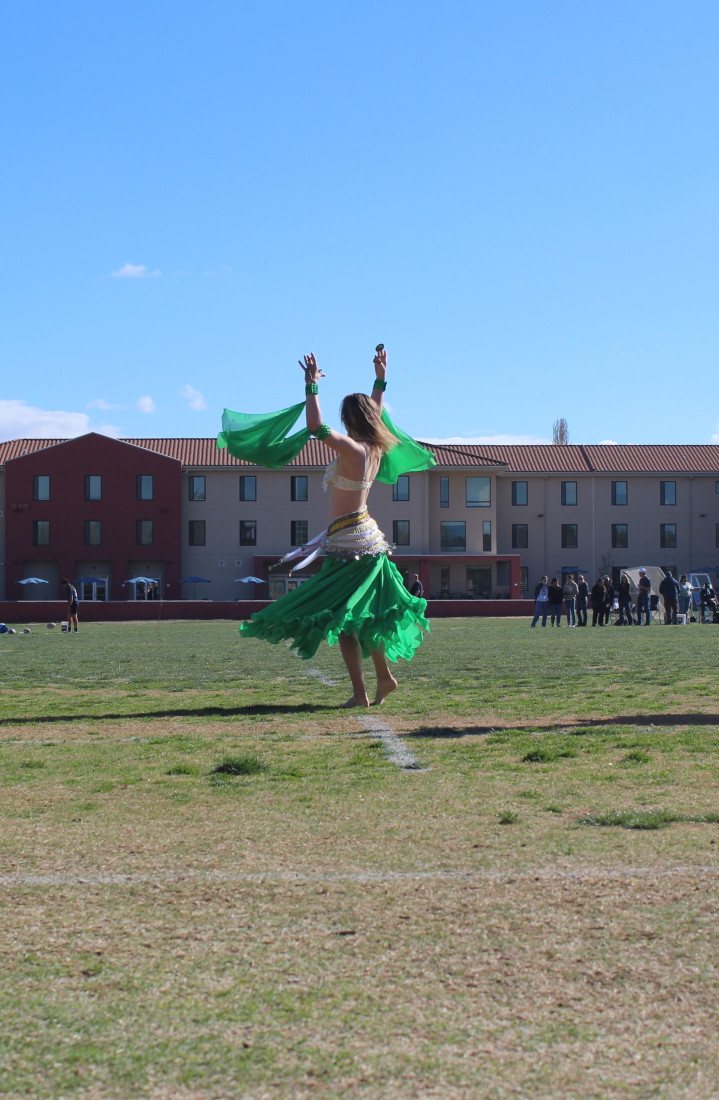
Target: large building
(131, 519)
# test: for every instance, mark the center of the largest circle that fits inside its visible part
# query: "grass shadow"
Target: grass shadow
(449, 732)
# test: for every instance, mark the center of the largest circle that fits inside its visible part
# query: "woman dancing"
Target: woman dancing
(358, 597)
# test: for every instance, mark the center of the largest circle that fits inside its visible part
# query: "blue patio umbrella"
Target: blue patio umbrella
(32, 580)
(142, 580)
(194, 581)
(250, 580)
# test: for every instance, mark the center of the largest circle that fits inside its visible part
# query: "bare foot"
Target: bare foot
(355, 702)
(384, 688)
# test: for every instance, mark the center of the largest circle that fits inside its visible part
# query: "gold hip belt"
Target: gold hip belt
(353, 536)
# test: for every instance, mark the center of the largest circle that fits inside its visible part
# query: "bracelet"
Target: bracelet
(380, 384)
(311, 387)
(322, 432)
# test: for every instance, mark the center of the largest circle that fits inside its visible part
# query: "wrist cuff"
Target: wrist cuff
(380, 384)
(322, 432)
(311, 387)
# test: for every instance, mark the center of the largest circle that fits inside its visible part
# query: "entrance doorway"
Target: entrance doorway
(479, 581)
(280, 586)
(95, 589)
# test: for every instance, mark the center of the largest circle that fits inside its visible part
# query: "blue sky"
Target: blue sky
(519, 200)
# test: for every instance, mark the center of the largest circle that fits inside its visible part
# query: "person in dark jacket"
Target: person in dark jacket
(598, 603)
(556, 600)
(669, 592)
(707, 602)
(643, 597)
(582, 599)
(625, 600)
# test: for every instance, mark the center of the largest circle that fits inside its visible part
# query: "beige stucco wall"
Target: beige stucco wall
(694, 514)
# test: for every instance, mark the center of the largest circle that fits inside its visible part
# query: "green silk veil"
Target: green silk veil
(264, 439)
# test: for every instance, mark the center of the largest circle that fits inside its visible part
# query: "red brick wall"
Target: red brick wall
(55, 610)
(67, 464)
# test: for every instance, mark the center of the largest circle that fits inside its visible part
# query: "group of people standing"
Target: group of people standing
(551, 599)
(574, 598)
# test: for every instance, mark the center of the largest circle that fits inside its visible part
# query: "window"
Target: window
(487, 536)
(716, 535)
(93, 532)
(453, 535)
(444, 492)
(248, 487)
(196, 488)
(248, 532)
(197, 532)
(400, 489)
(400, 532)
(668, 536)
(570, 536)
(298, 532)
(520, 493)
(620, 536)
(41, 487)
(520, 536)
(619, 492)
(93, 487)
(145, 489)
(667, 492)
(524, 578)
(144, 532)
(478, 492)
(41, 532)
(569, 492)
(298, 488)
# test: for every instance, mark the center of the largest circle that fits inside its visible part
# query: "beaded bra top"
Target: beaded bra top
(333, 480)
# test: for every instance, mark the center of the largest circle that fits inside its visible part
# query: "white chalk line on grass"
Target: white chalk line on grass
(312, 671)
(540, 874)
(321, 677)
(394, 747)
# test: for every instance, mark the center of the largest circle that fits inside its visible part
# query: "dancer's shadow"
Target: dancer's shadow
(253, 709)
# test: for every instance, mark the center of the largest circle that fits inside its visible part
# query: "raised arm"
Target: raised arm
(338, 441)
(312, 401)
(380, 370)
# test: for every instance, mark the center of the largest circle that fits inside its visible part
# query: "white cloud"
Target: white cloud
(100, 403)
(608, 443)
(715, 437)
(18, 419)
(146, 405)
(134, 271)
(194, 398)
(495, 440)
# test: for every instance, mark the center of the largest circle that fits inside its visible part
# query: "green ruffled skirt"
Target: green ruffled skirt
(365, 596)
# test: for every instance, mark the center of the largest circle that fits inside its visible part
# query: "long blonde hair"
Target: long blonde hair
(363, 421)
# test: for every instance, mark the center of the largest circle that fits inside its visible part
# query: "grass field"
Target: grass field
(216, 884)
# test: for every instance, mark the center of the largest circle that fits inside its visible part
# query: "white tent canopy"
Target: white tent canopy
(654, 572)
